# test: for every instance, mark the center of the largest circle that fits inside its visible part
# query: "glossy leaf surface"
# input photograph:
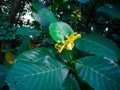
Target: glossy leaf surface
(35, 55)
(47, 15)
(26, 31)
(59, 30)
(98, 45)
(99, 73)
(70, 83)
(46, 74)
(3, 74)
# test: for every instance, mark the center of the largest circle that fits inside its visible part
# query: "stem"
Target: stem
(1, 53)
(82, 85)
(68, 55)
(2, 45)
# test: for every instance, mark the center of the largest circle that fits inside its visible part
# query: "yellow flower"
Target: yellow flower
(68, 43)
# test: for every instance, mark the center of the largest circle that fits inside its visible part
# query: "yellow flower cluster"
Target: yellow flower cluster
(68, 43)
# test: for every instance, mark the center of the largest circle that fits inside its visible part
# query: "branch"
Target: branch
(15, 6)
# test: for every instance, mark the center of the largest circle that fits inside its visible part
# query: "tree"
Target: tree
(73, 45)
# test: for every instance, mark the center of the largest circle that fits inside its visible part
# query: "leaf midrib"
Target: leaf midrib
(101, 74)
(40, 72)
(101, 46)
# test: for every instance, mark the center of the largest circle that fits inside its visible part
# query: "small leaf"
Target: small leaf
(98, 45)
(2, 31)
(26, 31)
(3, 73)
(59, 30)
(42, 15)
(47, 15)
(37, 5)
(42, 21)
(24, 45)
(99, 73)
(9, 57)
(2, 38)
(47, 74)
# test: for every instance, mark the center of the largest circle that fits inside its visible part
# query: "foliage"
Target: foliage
(99, 74)
(3, 74)
(98, 45)
(74, 45)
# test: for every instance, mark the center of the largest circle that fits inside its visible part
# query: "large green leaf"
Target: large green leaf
(24, 45)
(99, 73)
(98, 45)
(3, 73)
(60, 29)
(46, 74)
(35, 55)
(27, 31)
(70, 83)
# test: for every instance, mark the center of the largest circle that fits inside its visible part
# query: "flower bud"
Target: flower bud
(63, 42)
(58, 41)
(74, 12)
(72, 16)
(66, 36)
(78, 16)
(69, 46)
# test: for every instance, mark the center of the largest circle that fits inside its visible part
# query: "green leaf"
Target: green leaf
(26, 31)
(24, 45)
(109, 10)
(83, 1)
(98, 45)
(47, 74)
(43, 13)
(35, 55)
(99, 73)
(3, 31)
(36, 6)
(2, 38)
(35, 16)
(3, 74)
(43, 22)
(70, 83)
(48, 41)
(47, 15)
(60, 29)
